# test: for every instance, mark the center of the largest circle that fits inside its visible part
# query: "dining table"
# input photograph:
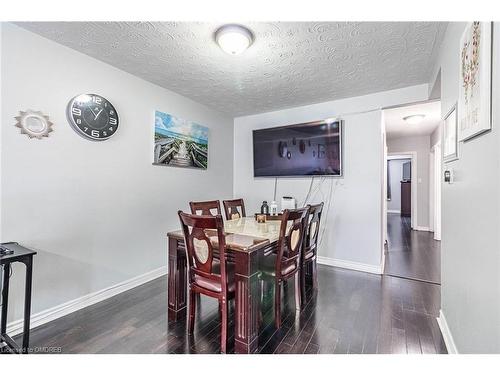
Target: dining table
(246, 243)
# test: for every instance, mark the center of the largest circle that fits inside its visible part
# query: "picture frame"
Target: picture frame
(179, 142)
(450, 135)
(35, 124)
(474, 104)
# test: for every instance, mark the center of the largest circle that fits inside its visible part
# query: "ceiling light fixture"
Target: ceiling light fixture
(233, 39)
(414, 119)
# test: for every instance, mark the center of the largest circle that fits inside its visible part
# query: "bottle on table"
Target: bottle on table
(273, 208)
(264, 209)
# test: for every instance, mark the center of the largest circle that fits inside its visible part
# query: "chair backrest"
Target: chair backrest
(314, 221)
(234, 208)
(211, 208)
(292, 233)
(200, 232)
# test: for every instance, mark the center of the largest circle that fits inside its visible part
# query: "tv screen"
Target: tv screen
(309, 149)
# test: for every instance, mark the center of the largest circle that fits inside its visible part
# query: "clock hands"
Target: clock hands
(98, 113)
(95, 115)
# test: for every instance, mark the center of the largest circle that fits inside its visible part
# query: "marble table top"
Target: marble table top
(270, 230)
(245, 234)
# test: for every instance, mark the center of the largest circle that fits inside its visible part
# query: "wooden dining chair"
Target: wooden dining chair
(234, 208)
(310, 248)
(211, 208)
(285, 264)
(206, 274)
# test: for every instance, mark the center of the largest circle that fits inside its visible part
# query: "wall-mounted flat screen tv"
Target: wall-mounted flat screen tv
(308, 149)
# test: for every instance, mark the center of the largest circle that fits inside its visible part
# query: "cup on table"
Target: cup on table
(261, 218)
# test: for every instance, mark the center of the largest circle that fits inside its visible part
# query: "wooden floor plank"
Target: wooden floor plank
(412, 254)
(352, 312)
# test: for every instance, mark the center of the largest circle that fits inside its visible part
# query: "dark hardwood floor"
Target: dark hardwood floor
(411, 254)
(353, 312)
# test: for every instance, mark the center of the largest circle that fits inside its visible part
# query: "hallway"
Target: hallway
(411, 254)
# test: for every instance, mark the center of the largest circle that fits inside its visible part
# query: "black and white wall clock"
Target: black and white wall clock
(93, 117)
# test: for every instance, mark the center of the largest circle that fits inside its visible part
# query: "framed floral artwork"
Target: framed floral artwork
(474, 103)
(450, 135)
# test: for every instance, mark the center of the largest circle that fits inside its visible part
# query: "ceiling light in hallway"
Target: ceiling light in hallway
(414, 119)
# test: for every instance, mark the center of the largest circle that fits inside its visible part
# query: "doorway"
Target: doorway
(412, 191)
(411, 253)
(399, 186)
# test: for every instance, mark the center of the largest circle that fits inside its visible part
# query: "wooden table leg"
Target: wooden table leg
(5, 298)
(309, 273)
(27, 305)
(247, 302)
(177, 271)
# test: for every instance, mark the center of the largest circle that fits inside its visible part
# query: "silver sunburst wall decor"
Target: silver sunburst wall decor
(34, 124)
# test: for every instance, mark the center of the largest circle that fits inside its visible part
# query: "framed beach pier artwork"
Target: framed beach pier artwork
(179, 142)
(474, 102)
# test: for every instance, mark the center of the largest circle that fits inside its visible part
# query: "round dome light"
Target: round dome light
(233, 39)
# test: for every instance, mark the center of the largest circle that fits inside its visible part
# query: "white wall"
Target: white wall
(470, 255)
(420, 144)
(395, 177)
(97, 212)
(435, 136)
(356, 207)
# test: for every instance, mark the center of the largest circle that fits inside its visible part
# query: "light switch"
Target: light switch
(448, 176)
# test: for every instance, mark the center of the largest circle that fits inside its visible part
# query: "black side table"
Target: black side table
(23, 255)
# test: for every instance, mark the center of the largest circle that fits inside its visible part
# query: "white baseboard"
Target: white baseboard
(363, 267)
(447, 336)
(393, 211)
(422, 229)
(66, 308)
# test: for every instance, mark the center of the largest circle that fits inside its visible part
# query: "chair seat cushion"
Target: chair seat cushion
(268, 266)
(215, 286)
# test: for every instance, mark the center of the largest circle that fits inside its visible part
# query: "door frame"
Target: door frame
(414, 183)
(384, 196)
(436, 189)
(432, 195)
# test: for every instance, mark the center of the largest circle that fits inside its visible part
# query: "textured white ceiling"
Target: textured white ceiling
(396, 127)
(289, 64)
